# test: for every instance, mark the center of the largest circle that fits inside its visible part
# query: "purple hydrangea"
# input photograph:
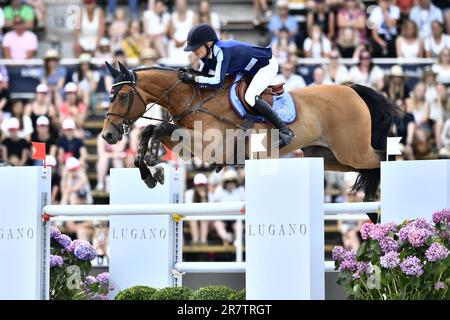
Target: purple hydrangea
(379, 231)
(362, 266)
(64, 240)
(348, 262)
(99, 296)
(90, 280)
(54, 233)
(56, 261)
(84, 251)
(439, 285)
(73, 245)
(390, 260)
(391, 227)
(365, 230)
(388, 244)
(412, 266)
(436, 252)
(103, 278)
(404, 233)
(441, 216)
(338, 253)
(422, 224)
(417, 237)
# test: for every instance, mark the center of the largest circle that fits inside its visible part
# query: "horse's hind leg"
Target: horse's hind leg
(330, 161)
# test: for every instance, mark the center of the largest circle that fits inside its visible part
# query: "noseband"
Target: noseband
(127, 122)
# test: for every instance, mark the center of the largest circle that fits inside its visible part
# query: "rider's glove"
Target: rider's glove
(187, 77)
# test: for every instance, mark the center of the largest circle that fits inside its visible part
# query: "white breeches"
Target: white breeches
(262, 79)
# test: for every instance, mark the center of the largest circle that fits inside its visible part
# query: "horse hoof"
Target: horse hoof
(150, 160)
(150, 182)
(158, 174)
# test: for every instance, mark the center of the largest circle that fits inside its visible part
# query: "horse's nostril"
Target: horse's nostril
(108, 135)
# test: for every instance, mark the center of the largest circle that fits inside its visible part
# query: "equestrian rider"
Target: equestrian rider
(219, 58)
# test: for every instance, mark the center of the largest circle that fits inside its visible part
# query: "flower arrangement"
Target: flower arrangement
(70, 264)
(406, 261)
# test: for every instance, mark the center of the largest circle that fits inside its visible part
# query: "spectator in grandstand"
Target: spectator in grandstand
(109, 156)
(5, 107)
(320, 15)
(118, 30)
(86, 78)
(420, 109)
(39, 11)
(53, 74)
(135, 42)
(383, 21)
(156, 24)
(199, 193)
(405, 7)
(181, 22)
(366, 72)
(51, 162)
(75, 187)
(132, 4)
(396, 88)
(319, 77)
(19, 43)
(69, 145)
(283, 20)
(205, 15)
(92, 28)
(103, 53)
(405, 127)
(289, 77)
(408, 44)
(348, 42)
(352, 16)
(25, 124)
(442, 67)
(447, 21)
(335, 71)
(72, 107)
(262, 11)
(284, 49)
(149, 57)
(16, 150)
(42, 134)
(423, 14)
(20, 9)
(429, 78)
(42, 106)
(229, 191)
(437, 42)
(318, 45)
(444, 100)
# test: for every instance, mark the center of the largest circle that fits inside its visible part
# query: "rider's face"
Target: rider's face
(201, 52)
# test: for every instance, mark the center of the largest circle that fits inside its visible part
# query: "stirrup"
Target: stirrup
(285, 137)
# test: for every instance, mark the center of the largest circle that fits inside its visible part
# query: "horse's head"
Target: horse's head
(125, 109)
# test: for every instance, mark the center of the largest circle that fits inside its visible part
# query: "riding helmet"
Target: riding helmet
(199, 35)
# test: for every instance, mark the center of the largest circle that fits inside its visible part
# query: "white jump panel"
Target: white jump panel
(284, 229)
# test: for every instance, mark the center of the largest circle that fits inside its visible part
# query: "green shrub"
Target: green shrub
(136, 293)
(214, 293)
(238, 295)
(173, 293)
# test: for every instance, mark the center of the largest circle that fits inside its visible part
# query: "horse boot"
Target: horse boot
(285, 133)
(152, 156)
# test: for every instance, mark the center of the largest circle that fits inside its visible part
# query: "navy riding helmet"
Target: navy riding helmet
(199, 35)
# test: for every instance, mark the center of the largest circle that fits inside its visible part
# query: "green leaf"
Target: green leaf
(361, 249)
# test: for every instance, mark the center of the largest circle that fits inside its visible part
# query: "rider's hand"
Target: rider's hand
(187, 77)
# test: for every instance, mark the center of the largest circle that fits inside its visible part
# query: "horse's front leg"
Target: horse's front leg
(164, 130)
(139, 162)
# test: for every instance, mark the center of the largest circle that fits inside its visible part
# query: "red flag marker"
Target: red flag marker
(39, 151)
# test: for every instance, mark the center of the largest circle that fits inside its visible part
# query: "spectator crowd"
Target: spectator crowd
(325, 32)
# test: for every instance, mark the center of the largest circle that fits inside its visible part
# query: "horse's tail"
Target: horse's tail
(382, 114)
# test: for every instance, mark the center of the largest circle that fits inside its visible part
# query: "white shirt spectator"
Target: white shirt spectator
(222, 195)
(424, 17)
(156, 25)
(341, 74)
(295, 81)
(430, 45)
(366, 79)
(325, 81)
(376, 18)
(443, 74)
(319, 50)
(24, 132)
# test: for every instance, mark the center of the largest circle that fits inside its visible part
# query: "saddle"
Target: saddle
(267, 95)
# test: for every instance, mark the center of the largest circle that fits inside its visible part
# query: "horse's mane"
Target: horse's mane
(162, 68)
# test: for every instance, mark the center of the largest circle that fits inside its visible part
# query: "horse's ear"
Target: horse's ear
(114, 72)
(125, 71)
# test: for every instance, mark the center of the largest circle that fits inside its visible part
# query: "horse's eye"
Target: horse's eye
(123, 98)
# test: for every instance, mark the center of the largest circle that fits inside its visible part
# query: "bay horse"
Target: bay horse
(346, 125)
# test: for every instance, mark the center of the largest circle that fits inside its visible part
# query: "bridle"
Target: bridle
(127, 122)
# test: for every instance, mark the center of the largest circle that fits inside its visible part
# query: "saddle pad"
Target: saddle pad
(283, 105)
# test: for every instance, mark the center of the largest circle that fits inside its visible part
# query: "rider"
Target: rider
(219, 58)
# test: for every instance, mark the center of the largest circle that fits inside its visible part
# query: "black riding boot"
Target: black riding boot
(286, 134)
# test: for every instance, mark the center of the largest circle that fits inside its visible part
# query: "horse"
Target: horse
(346, 125)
